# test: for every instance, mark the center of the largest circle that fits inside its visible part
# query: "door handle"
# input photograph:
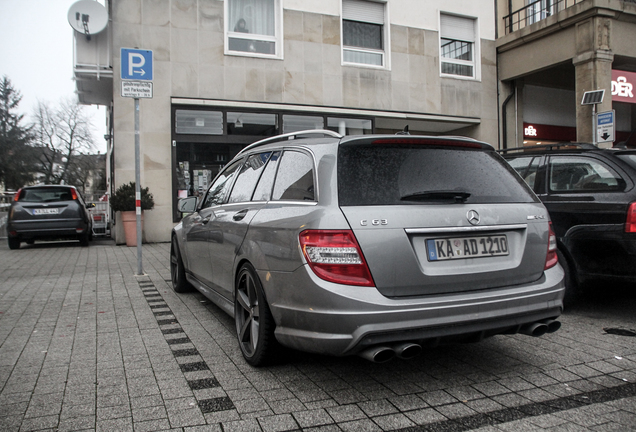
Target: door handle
(240, 215)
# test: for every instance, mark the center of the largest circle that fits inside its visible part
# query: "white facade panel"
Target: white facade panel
(324, 7)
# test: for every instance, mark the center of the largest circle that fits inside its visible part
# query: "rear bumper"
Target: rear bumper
(336, 319)
(62, 228)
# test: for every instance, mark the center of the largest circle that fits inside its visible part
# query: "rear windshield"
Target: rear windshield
(407, 174)
(46, 194)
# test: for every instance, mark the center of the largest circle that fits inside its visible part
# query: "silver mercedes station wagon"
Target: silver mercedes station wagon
(375, 245)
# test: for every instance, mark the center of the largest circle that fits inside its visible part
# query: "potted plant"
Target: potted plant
(123, 200)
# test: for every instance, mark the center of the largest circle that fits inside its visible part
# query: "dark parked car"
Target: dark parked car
(374, 245)
(590, 194)
(48, 212)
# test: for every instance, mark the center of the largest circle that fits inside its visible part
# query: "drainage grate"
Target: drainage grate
(156, 302)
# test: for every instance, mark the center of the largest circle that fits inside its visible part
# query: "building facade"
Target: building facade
(549, 54)
(227, 73)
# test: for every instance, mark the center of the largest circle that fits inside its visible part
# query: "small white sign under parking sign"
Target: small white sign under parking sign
(136, 89)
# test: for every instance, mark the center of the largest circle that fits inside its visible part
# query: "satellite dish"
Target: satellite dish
(88, 17)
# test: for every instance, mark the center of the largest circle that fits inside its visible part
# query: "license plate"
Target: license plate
(466, 247)
(45, 211)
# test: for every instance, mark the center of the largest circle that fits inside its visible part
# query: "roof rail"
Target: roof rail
(290, 136)
(582, 146)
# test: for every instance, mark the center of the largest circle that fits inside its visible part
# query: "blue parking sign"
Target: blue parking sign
(136, 64)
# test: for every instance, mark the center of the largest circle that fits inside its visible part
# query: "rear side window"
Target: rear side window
(629, 158)
(295, 178)
(411, 174)
(527, 168)
(581, 174)
(49, 194)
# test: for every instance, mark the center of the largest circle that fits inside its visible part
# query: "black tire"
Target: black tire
(83, 239)
(177, 270)
(571, 284)
(14, 243)
(254, 322)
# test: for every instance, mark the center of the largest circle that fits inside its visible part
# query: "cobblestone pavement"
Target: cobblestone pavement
(87, 345)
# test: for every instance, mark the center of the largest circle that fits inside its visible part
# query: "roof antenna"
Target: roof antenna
(405, 131)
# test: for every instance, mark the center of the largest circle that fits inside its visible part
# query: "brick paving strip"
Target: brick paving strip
(170, 326)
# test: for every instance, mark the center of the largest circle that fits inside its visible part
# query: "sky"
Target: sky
(36, 54)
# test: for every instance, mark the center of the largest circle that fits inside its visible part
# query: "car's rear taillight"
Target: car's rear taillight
(551, 259)
(630, 223)
(335, 256)
(16, 197)
(74, 193)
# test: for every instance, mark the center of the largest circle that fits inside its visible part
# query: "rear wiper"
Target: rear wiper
(440, 195)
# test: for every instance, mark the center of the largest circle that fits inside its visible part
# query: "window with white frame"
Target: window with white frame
(457, 46)
(363, 32)
(252, 27)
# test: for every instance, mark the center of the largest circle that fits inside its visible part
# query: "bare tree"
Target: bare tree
(63, 133)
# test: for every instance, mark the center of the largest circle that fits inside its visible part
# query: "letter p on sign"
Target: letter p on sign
(136, 64)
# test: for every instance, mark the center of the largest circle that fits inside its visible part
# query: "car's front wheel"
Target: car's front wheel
(254, 321)
(14, 243)
(177, 270)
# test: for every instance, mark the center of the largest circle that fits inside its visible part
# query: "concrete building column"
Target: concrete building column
(593, 71)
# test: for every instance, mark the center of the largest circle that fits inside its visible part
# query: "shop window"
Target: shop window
(247, 178)
(199, 122)
(295, 178)
(252, 27)
(253, 124)
(295, 123)
(348, 126)
(265, 184)
(363, 32)
(219, 189)
(457, 46)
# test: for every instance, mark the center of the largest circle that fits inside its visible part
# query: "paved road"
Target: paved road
(86, 345)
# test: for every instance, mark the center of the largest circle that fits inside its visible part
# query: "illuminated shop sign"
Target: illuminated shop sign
(535, 131)
(623, 84)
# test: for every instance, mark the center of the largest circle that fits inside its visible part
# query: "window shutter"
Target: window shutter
(454, 27)
(364, 11)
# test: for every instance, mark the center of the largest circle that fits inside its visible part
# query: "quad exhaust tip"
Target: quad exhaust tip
(408, 350)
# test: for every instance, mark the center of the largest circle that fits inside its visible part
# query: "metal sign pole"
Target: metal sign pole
(140, 270)
(594, 124)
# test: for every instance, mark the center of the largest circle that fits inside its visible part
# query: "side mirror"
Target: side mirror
(187, 205)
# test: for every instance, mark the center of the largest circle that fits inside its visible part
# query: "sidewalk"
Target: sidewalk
(87, 345)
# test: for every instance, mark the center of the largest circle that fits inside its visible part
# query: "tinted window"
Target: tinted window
(403, 174)
(247, 177)
(629, 158)
(578, 174)
(218, 191)
(264, 187)
(48, 194)
(295, 178)
(527, 168)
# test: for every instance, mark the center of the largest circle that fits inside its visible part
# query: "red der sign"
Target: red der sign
(623, 86)
(536, 131)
